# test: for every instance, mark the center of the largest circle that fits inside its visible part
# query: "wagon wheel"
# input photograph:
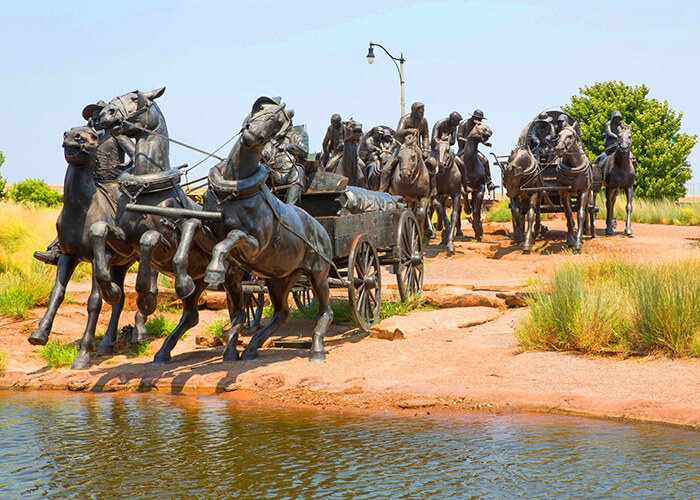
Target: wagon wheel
(304, 299)
(409, 272)
(364, 282)
(253, 303)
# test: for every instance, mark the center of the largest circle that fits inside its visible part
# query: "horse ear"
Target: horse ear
(155, 94)
(142, 100)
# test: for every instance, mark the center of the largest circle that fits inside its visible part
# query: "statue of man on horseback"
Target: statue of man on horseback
(463, 133)
(332, 139)
(284, 156)
(414, 120)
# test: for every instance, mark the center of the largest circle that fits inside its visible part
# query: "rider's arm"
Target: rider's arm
(126, 144)
(609, 132)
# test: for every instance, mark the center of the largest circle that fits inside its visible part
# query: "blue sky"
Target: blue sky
(511, 59)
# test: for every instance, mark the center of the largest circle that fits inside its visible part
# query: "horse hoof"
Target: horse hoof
(105, 349)
(450, 248)
(184, 287)
(317, 357)
(628, 233)
(249, 355)
(81, 361)
(112, 295)
(38, 337)
(160, 360)
(459, 233)
(231, 355)
(609, 231)
(214, 277)
(147, 304)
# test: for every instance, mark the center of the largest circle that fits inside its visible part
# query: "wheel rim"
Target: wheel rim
(410, 266)
(365, 282)
(304, 299)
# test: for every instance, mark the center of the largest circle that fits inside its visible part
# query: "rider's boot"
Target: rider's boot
(487, 173)
(51, 255)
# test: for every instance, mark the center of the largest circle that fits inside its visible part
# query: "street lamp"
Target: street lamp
(401, 60)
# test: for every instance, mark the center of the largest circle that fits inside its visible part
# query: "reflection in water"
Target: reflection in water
(147, 446)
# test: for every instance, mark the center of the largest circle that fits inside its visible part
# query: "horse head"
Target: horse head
(513, 172)
(566, 140)
(624, 142)
(352, 131)
(480, 132)
(80, 147)
(445, 155)
(132, 112)
(408, 163)
(267, 118)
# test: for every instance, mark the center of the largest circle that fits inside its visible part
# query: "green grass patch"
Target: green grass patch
(342, 314)
(647, 211)
(164, 281)
(499, 212)
(4, 361)
(612, 306)
(217, 328)
(160, 326)
(168, 305)
(58, 355)
(397, 308)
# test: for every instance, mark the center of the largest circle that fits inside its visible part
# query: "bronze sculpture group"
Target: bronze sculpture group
(117, 212)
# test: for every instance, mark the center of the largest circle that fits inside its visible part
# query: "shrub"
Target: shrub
(58, 355)
(19, 291)
(36, 191)
(3, 182)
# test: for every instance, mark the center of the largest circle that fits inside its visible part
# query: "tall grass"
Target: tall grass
(499, 212)
(615, 306)
(58, 355)
(648, 211)
(4, 361)
(160, 326)
(22, 290)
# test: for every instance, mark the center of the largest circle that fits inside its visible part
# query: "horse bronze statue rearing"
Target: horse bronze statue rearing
(575, 177)
(263, 235)
(84, 203)
(148, 236)
(348, 162)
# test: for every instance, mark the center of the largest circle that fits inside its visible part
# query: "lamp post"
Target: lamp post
(399, 67)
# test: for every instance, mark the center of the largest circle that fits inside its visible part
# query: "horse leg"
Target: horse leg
(99, 233)
(566, 201)
(443, 221)
(527, 244)
(65, 268)
(107, 345)
(438, 205)
(319, 283)
(189, 318)
(236, 312)
(610, 197)
(581, 218)
(216, 272)
(421, 211)
(145, 297)
(184, 285)
(429, 230)
(629, 192)
(94, 305)
(456, 209)
(590, 226)
(476, 215)
(516, 220)
(279, 289)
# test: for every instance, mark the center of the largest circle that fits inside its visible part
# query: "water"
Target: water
(157, 446)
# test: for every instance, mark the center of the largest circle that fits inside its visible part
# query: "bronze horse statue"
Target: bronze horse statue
(410, 178)
(617, 173)
(348, 162)
(522, 172)
(263, 235)
(473, 167)
(84, 203)
(448, 182)
(575, 177)
(151, 238)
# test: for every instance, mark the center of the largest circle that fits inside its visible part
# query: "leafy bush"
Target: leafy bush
(3, 182)
(36, 191)
(58, 355)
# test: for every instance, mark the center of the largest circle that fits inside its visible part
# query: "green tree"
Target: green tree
(3, 182)
(657, 143)
(35, 190)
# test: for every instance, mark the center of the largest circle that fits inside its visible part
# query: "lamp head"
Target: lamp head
(370, 54)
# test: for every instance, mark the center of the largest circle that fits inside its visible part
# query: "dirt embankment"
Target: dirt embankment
(442, 364)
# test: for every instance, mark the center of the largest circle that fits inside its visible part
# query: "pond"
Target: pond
(62, 445)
